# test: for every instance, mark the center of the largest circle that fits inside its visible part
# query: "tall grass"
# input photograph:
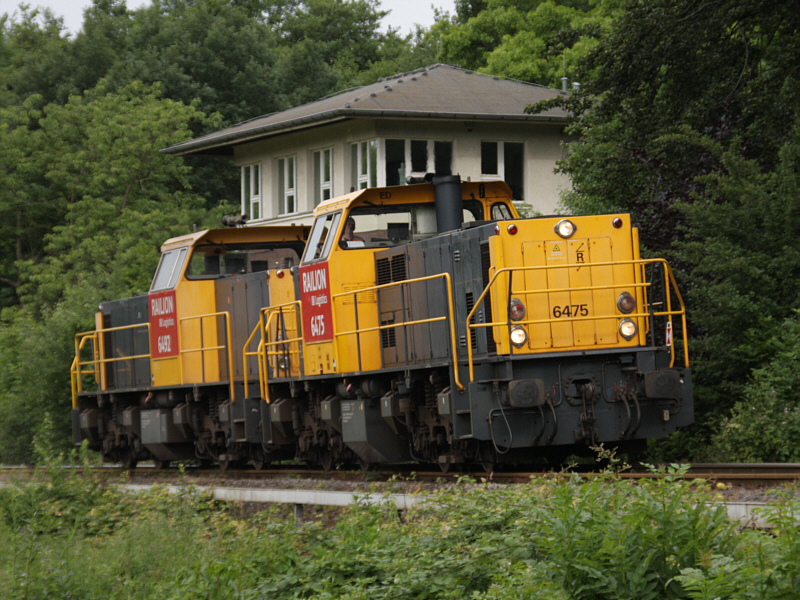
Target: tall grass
(69, 534)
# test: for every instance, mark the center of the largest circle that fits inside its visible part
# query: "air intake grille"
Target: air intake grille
(383, 271)
(399, 268)
(387, 336)
(472, 332)
(391, 269)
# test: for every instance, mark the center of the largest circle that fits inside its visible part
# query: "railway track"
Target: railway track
(748, 475)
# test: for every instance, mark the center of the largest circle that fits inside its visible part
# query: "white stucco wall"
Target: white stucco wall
(542, 148)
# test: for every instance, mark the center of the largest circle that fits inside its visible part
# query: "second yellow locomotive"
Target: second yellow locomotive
(426, 322)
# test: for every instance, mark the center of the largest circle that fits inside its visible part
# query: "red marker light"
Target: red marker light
(512, 229)
(516, 309)
(497, 229)
(280, 274)
(617, 222)
(267, 274)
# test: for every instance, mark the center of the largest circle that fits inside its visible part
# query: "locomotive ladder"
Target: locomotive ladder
(269, 353)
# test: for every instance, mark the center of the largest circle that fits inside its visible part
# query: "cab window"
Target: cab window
(169, 269)
(213, 261)
(321, 238)
(500, 212)
(473, 211)
(383, 226)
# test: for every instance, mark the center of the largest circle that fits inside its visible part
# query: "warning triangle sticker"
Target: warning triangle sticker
(556, 248)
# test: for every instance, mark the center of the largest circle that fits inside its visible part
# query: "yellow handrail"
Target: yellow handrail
(668, 277)
(446, 277)
(263, 353)
(80, 342)
(226, 315)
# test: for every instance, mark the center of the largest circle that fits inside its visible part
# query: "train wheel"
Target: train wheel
(259, 464)
(325, 458)
(364, 464)
(160, 464)
(129, 460)
(488, 466)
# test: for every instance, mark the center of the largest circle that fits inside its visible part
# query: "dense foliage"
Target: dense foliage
(534, 40)
(74, 536)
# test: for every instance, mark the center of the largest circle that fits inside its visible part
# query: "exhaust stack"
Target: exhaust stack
(449, 208)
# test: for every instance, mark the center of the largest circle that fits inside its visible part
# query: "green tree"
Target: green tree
(687, 119)
(537, 41)
(98, 156)
(764, 424)
(33, 48)
(743, 290)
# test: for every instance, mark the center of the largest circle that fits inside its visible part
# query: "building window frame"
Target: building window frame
(364, 164)
(504, 170)
(287, 182)
(412, 157)
(322, 165)
(251, 191)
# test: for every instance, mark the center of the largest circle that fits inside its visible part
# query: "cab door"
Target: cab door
(315, 296)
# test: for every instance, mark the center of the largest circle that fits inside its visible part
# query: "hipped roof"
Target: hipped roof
(440, 92)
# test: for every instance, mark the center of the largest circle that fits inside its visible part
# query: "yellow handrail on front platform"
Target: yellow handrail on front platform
(80, 342)
(643, 284)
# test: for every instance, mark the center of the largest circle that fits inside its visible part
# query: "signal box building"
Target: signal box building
(441, 119)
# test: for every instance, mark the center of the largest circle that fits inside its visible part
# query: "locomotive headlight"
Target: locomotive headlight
(627, 329)
(516, 309)
(518, 336)
(565, 228)
(626, 303)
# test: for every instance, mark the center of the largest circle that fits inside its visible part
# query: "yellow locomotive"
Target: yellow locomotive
(425, 322)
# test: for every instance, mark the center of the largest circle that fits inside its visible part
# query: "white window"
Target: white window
(251, 191)
(416, 158)
(287, 194)
(323, 175)
(504, 161)
(364, 164)
(169, 269)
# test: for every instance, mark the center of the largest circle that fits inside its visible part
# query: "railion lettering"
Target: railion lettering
(164, 305)
(314, 281)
